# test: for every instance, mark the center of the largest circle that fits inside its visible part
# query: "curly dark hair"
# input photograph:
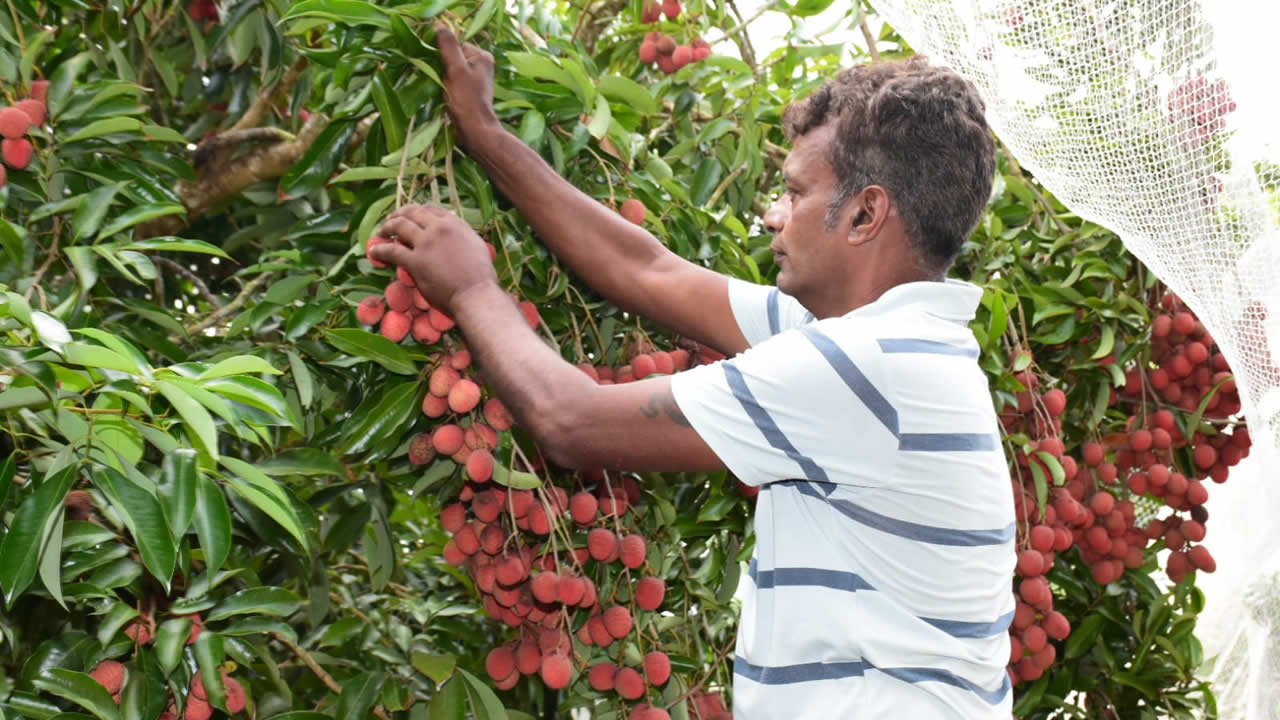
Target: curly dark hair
(918, 131)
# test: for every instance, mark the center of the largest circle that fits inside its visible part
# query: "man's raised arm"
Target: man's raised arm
(622, 261)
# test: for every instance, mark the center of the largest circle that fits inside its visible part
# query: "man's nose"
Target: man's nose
(775, 218)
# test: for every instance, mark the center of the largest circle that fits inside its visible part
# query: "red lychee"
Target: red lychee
(602, 544)
(500, 662)
(649, 593)
(464, 396)
(601, 676)
(14, 123)
(617, 620)
(633, 551)
(110, 675)
(632, 209)
(657, 667)
(629, 684)
(395, 326)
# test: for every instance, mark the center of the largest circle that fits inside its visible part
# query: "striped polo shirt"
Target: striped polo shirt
(880, 584)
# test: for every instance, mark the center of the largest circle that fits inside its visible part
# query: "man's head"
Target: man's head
(888, 153)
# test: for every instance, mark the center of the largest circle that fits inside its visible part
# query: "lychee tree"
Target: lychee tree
(245, 469)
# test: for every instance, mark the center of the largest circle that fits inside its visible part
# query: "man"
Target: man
(880, 584)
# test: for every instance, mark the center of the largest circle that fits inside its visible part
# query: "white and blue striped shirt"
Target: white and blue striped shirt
(881, 580)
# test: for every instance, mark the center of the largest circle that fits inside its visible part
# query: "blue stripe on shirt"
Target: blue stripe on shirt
(774, 323)
(853, 377)
(817, 671)
(928, 347)
(772, 434)
(906, 529)
(948, 442)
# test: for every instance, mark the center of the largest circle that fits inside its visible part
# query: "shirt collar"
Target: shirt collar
(954, 300)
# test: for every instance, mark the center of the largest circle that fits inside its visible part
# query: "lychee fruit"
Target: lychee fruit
(500, 662)
(512, 570)
(1055, 401)
(570, 590)
(497, 415)
(34, 109)
(556, 670)
(406, 279)
(599, 633)
(395, 326)
(649, 593)
(629, 684)
(633, 551)
(439, 320)
(110, 675)
(236, 697)
(671, 8)
(197, 709)
(583, 507)
(657, 667)
(617, 620)
(464, 396)
(545, 587)
(40, 90)
(138, 632)
(399, 296)
(423, 331)
(374, 241)
(16, 152)
(528, 658)
(14, 123)
(453, 517)
(447, 439)
(434, 406)
(666, 45)
(480, 466)
(601, 676)
(632, 209)
(643, 366)
(648, 55)
(682, 56)
(602, 544)
(370, 310)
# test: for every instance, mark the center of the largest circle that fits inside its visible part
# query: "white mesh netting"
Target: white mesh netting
(1134, 114)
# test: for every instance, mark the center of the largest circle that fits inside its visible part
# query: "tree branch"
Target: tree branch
(222, 177)
(314, 666)
(866, 34)
(258, 110)
(230, 307)
(195, 280)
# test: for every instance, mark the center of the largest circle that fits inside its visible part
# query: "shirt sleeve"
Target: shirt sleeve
(797, 406)
(763, 311)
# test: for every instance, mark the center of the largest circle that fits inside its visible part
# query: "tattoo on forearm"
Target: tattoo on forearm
(665, 404)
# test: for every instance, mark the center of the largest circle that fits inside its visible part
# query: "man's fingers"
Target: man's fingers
(448, 43)
(476, 56)
(409, 231)
(391, 253)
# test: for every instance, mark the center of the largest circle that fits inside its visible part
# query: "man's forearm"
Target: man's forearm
(533, 381)
(595, 242)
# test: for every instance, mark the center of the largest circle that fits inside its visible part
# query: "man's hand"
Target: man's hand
(468, 87)
(442, 253)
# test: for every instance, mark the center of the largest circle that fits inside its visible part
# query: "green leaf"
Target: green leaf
(78, 353)
(256, 600)
(370, 346)
(358, 695)
(1107, 343)
(52, 333)
(116, 343)
(28, 530)
(1055, 467)
(239, 365)
(301, 378)
(171, 638)
(85, 262)
(345, 12)
(517, 479)
(437, 666)
(199, 422)
(160, 133)
(80, 689)
(143, 516)
(484, 703)
(628, 92)
(481, 18)
(176, 489)
(8, 469)
(209, 652)
(287, 290)
(174, 244)
(213, 523)
(105, 127)
(139, 214)
(600, 118)
(1083, 635)
(380, 416)
(395, 123)
(252, 392)
(51, 560)
(265, 493)
(303, 461)
(449, 702)
(705, 179)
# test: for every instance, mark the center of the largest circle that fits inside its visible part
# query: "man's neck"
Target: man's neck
(863, 291)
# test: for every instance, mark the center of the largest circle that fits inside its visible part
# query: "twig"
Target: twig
(191, 276)
(230, 307)
(258, 110)
(743, 40)
(866, 34)
(51, 255)
(743, 25)
(314, 666)
(404, 159)
(724, 185)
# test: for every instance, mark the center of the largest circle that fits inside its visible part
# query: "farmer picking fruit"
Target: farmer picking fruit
(851, 395)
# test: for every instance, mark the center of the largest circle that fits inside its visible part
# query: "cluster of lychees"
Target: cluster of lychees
(661, 48)
(16, 122)
(1092, 510)
(1200, 107)
(535, 555)
(111, 674)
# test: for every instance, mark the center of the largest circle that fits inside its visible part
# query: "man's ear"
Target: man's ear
(871, 207)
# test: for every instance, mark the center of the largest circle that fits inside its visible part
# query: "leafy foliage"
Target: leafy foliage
(207, 458)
